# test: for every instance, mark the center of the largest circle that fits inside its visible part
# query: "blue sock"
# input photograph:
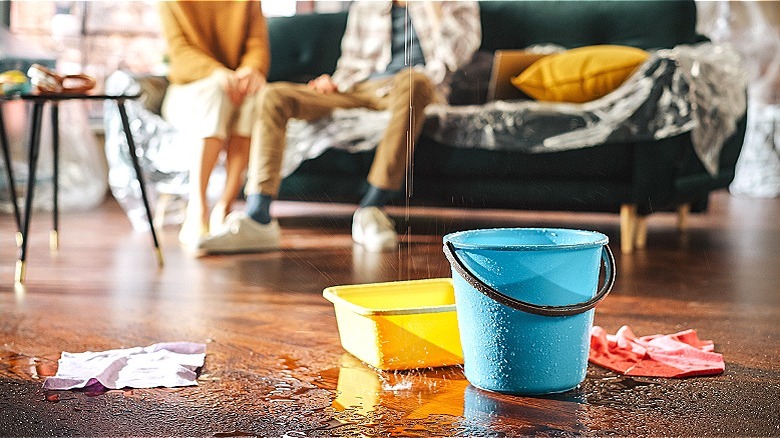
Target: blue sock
(375, 197)
(258, 207)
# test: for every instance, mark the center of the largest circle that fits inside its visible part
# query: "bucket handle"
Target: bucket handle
(573, 309)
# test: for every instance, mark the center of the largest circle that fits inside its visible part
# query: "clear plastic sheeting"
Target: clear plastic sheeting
(750, 28)
(163, 154)
(699, 88)
(148, 136)
(758, 168)
(689, 88)
(82, 170)
(353, 130)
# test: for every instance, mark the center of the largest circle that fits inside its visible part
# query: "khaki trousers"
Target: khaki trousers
(409, 93)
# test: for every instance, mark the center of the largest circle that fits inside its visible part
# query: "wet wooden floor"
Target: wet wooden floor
(274, 363)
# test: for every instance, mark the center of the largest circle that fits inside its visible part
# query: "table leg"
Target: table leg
(139, 176)
(35, 144)
(10, 173)
(54, 236)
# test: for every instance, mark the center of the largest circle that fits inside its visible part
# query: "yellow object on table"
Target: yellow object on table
(14, 81)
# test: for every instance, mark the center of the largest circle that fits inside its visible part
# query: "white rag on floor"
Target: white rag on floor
(166, 364)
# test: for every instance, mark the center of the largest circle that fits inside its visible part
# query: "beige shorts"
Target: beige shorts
(201, 109)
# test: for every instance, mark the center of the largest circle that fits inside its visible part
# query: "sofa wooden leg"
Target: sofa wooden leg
(628, 222)
(683, 211)
(640, 233)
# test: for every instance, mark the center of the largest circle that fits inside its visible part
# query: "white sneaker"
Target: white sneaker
(190, 235)
(218, 219)
(372, 229)
(242, 234)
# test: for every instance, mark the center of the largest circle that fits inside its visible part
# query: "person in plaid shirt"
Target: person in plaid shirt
(396, 56)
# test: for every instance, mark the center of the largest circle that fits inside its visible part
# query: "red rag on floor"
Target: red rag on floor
(680, 354)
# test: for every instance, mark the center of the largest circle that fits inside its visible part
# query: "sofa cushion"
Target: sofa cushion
(470, 82)
(304, 46)
(580, 75)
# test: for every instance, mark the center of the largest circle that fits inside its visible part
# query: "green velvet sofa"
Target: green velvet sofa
(632, 179)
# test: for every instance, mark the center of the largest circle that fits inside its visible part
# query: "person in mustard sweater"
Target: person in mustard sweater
(219, 59)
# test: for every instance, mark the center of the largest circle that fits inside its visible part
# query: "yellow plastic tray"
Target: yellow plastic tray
(398, 325)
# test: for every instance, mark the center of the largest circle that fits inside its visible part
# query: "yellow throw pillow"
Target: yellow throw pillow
(579, 75)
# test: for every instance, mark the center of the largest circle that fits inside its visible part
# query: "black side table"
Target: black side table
(23, 220)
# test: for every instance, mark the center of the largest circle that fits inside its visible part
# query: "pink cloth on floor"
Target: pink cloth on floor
(680, 354)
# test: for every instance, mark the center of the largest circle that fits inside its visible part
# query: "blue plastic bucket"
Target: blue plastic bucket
(524, 300)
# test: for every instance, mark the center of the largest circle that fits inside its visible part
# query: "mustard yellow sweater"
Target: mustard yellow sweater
(203, 36)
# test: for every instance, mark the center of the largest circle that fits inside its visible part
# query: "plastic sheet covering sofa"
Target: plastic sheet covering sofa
(755, 34)
(676, 144)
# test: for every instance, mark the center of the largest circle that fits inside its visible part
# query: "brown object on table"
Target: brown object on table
(47, 81)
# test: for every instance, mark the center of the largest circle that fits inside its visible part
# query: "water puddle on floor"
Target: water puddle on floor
(24, 367)
(427, 402)
(233, 433)
(20, 366)
(354, 399)
(288, 388)
(605, 388)
(359, 400)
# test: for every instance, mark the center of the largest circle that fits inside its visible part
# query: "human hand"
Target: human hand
(241, 83)
(249, 80)
(230, 87)
(323, 84)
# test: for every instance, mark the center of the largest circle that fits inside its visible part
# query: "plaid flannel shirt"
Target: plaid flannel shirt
(365, 47)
